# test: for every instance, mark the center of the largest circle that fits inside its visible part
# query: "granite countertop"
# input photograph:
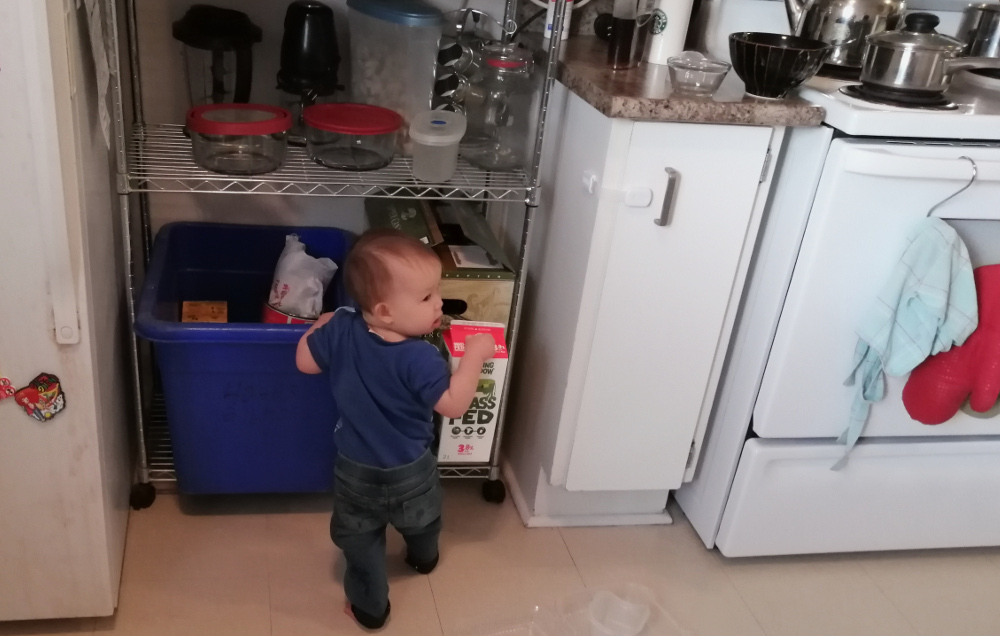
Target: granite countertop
(644, 93)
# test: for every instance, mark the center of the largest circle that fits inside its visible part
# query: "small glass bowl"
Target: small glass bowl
(351, 136)
(239, 139)
(691, 73)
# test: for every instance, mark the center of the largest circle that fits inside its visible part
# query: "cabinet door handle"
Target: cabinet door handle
(668, 197)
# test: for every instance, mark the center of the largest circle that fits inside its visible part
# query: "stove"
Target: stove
(877, 97)
(845, 73)
(971, 110)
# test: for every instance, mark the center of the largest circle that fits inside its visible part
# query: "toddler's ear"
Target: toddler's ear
(382, 313)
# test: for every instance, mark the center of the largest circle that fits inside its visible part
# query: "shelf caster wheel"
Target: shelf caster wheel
(494, 491)
(142, 496)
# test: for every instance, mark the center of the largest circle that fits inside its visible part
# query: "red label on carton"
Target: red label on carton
(454, 337)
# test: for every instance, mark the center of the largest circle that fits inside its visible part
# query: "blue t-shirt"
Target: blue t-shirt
(385, 391)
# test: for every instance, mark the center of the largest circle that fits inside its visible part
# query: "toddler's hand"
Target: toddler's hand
(480, 345)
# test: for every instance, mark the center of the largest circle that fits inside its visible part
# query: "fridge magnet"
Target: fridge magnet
(43, 399)
(6, 389)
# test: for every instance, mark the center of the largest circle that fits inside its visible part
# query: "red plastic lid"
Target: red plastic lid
(352, 119)
(238, 119)
(505, 63)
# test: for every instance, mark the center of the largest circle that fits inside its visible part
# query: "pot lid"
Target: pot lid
(918, 34)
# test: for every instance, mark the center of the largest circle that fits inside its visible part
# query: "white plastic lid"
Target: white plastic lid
(437, 128)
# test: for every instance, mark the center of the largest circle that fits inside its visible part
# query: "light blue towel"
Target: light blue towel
(927, 305)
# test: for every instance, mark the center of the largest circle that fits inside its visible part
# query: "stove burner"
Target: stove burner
(837, 72)
(900, 99)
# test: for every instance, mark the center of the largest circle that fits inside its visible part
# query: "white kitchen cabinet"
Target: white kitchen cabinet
(627, 320)
(665, 297)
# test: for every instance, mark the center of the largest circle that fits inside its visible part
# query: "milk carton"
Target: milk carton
(469, 439)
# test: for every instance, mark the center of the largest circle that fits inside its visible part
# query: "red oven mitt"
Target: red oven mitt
(938, 387)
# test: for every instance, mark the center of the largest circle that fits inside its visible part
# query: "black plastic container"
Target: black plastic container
(309, 61)
(309, 53)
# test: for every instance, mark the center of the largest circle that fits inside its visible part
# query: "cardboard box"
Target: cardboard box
(204, 311)
(477, 278)
(413, 217)
(469, 439)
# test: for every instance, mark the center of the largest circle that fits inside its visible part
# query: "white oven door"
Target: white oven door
(869, 199)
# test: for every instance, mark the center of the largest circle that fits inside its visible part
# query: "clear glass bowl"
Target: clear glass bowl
(239, 139)
(691, 73)
(351, 136)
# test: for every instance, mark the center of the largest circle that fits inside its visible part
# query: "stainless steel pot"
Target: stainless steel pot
(843, 24)
(916, 59)
(980, 30)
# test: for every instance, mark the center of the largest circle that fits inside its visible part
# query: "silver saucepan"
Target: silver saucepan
(916, 59)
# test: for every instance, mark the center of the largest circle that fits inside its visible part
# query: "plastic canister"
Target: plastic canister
(435, 135)
(394, 45)
(668, 27)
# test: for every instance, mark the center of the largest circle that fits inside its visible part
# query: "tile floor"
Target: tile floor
(266, 567)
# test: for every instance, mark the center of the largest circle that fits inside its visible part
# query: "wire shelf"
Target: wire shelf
(465, 472)
(160, 161)
(159, 452)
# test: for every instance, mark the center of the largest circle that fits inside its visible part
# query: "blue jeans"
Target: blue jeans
(366, 500)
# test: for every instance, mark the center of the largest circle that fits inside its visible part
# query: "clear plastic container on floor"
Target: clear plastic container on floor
(240, 139)
(435, 135)
(617, 610)
(351, 136)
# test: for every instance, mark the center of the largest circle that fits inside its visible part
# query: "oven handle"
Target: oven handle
(880, 163)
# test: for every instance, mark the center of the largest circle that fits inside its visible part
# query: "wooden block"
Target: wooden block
(487, 300)
(204, 311)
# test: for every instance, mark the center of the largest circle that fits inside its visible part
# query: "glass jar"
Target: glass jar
(240, 139)
(498, 110)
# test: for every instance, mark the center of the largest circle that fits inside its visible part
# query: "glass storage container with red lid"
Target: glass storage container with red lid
(351, 136)
(239, 139)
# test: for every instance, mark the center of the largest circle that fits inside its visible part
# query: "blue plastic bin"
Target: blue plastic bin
(242, 418)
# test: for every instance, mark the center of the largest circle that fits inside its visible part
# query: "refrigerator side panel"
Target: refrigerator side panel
(92, 206)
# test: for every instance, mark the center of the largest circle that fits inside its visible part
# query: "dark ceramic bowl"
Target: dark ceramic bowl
(771, 64)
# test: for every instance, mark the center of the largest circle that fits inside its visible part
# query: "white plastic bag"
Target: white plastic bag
(300, 280)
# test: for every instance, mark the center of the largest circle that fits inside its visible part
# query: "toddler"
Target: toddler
(387, 382)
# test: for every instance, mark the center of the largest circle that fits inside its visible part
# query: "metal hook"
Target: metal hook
(975, 173)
